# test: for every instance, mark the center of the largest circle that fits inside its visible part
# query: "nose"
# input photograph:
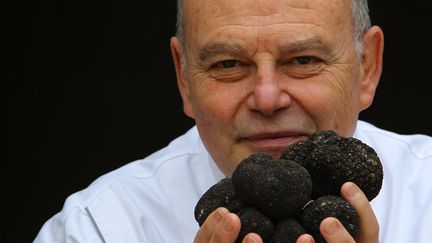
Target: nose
(267, 96)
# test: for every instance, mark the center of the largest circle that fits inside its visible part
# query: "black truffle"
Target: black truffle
(298, 152)
(264, 191)
(329, 206)
(287, 230)
(322, 136)
(221, 194)
(252, 220)
(278, 188)
(332, 160)
(336, 160)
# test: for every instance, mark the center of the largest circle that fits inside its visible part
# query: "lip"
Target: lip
(274, 141)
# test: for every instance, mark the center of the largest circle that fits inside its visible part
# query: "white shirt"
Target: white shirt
(152, 200)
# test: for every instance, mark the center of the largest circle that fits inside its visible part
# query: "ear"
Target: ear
(182, 82)
(372, 60)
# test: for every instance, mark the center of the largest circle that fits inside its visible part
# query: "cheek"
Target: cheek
(330, 104)
(216, 103)
(216, 107)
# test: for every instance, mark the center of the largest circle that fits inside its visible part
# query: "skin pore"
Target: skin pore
(259, 75)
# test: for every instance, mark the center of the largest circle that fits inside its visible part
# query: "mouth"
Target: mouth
(273, 142)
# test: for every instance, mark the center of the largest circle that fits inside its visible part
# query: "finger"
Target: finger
(228, 229)
(205, 232)
(333, 231)
(369, 227)
(220, 226)
(305, 238)
(252, 238)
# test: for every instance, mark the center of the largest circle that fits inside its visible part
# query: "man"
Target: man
(258, 75)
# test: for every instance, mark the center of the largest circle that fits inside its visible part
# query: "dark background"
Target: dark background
(93, 88)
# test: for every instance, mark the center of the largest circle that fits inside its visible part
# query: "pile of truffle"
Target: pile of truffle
(280, 199)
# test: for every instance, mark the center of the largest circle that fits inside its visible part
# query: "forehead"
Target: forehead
(261, 7)
(206, 18)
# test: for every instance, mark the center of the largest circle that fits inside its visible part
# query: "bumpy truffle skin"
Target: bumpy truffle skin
(336, 160)
(329, 206)
(323, 136)
(287, 230)
(298, 152)
(221, 194)
(252, 220)
(278, 188)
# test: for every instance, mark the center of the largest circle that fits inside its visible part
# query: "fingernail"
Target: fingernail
(353, 191)
(332, 227)
(218, 216)
(251, 240)
(227, 225)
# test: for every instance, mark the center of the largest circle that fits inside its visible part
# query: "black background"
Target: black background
(93, 88)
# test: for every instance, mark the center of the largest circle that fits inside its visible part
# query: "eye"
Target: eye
(227, 64)
(304, 60)
(303, 66)
(229, 70)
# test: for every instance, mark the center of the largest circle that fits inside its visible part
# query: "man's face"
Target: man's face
(263, 74)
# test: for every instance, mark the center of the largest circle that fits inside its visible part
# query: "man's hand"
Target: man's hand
(333, 230)
(222, 226)
(369, 227)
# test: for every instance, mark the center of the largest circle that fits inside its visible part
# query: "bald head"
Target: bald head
(359, 13)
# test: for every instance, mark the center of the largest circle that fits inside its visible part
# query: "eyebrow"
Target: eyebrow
(216, 48)
(305, 44)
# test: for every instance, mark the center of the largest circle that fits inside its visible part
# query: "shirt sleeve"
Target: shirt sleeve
(76, 225)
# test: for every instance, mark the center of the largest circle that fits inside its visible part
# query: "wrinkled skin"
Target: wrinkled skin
(259, 75)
